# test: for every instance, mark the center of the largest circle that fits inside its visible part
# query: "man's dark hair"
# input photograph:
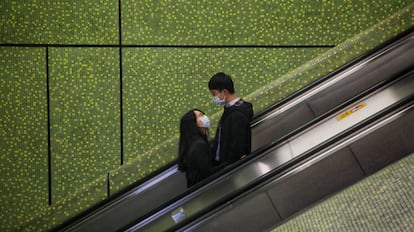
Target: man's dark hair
(221, 81)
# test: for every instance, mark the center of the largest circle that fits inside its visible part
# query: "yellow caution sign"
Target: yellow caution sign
(351, 111)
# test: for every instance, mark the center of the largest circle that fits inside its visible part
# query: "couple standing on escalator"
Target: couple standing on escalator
(198, 157)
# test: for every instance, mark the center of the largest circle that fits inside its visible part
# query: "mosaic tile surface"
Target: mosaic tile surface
(23, 133)
(251, 22)
(59, 22)
(46, 218)
(84, 116)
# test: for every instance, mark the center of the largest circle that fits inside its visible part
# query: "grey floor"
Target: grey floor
(383, 201)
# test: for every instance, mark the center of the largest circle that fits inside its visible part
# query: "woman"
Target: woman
(194, 152)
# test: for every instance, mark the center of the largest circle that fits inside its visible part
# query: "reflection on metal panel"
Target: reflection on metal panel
(280, 125)
(242, 216)
(275, 158)
(301, 188)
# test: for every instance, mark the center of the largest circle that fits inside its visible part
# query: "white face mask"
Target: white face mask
(205, 121)
(219, 101)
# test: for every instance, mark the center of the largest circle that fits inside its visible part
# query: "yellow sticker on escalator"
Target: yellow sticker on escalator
(351, 111)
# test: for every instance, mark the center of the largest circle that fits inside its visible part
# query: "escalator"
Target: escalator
(349, 144)
(278, 123)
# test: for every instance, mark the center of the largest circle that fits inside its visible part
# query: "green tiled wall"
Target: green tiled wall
(75, 45)
(48, 217)
(59, 22)
(23, 133)
(252, 22)
(85, 123)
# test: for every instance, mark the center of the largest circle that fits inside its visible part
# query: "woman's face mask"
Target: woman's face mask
(202, 120)
(205, 121)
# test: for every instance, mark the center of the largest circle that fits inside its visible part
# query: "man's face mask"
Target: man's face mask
(205, 121)
(219, 101)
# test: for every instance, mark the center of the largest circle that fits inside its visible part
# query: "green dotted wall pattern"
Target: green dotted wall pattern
(84, 115)
(23, 133)
(47, 217)
(59, 22)
(257, 22)
(102, 93)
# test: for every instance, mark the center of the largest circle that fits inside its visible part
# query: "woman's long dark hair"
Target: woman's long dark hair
(189, 131)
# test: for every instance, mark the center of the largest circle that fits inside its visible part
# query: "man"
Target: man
(233, 135)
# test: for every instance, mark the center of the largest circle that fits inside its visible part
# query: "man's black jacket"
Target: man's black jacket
(234, 132)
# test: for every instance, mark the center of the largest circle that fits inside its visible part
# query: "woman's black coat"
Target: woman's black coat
(197, 163)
